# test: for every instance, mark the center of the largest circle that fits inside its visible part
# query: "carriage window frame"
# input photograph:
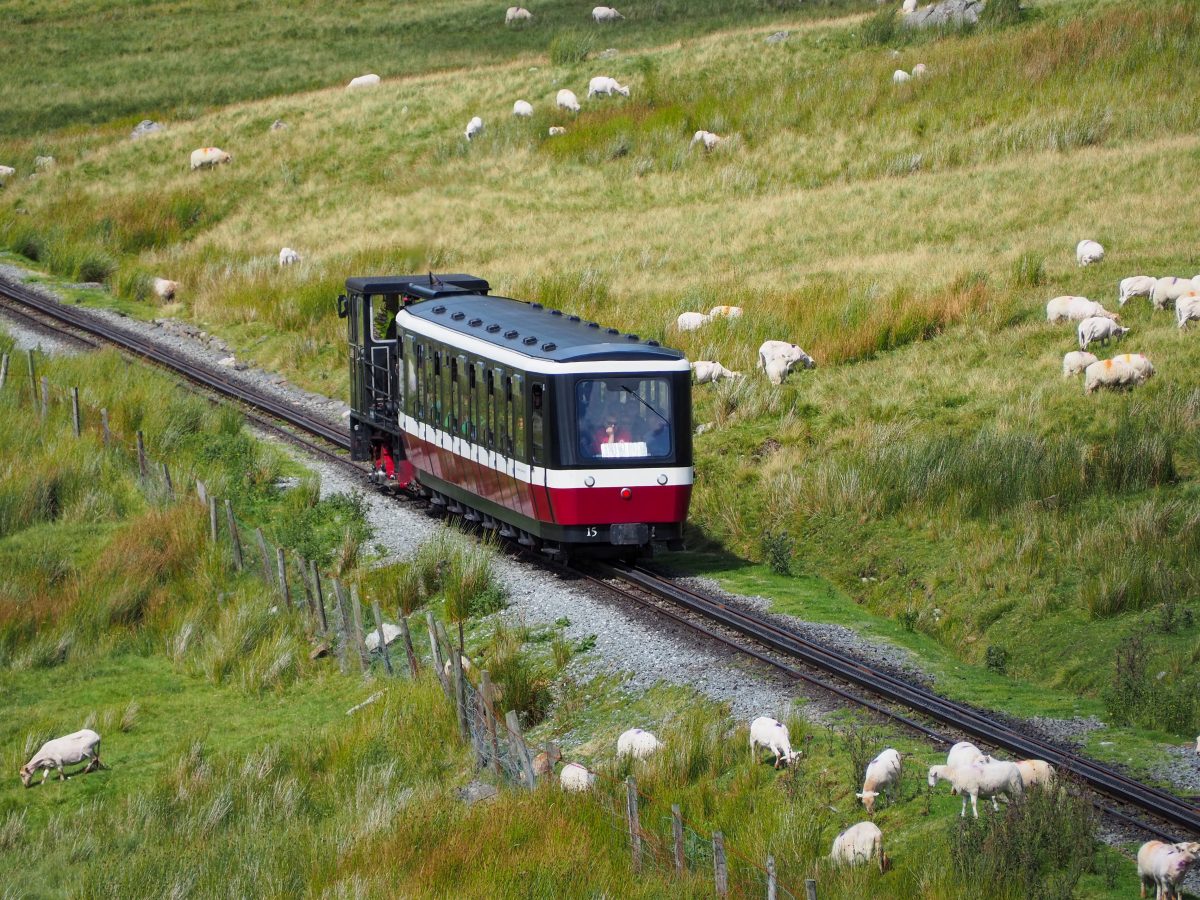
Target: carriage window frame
(537, 431)
(517, 392)
(412, 379)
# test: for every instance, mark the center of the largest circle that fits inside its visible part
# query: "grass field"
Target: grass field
(935, 470)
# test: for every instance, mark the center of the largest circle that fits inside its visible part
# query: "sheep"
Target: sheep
(575, 779)
(544, 762)
(1135, 286)
(6, 172)
(707, 372)
(919, 70)
(1187, 307)
(981, 779)
(883, 772)
(900, 77)
(772, 735)
(1116, 373)
(474, 127)
(164, 289)
(910, 6)
(209, 157)
(1099, 328)
(64, 751)
(726, 312)
(776, 359)
(1088, 252)
(448, 666)
(557, 131)
(638, 743)
(363, 81)
(288, 257)
(605, 14)
(963, 754)
(602, 84)
(566, 99)
(1036, 771)
(516, 14)
(523, 108)
(708, 139)
(858, 844)
(1169, 289)
(1163, 866)
(1075, 309)
(43, 162)
(1076, 361)
(390, 634)
(690, 321)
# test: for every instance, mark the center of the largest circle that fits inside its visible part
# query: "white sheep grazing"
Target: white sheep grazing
(900, 77)
(207, 157)
(6, 172)
(776, 359)
(1036, 771)
(638, 743)
(1169, 289)
(363, 81)
(708, 139)
(1075, 309)
(1163, 866)
(919, 70)
(517, 14)
(963, 754)
(474, 128)
(1076, 361)
(523, 108)
(708, 372)
(883, 773)
(981, 779)
(605, 14)
(1187, 307)
(448, 666)
(690, 321)
(1135, 286)
(859, 844)
(602, 84)
(64, 751)
(557, 131)
(566, 99)
(288, 257)
(1099, 328)
(910, 6)
(1088, 252)
(164, 289)
(772, 736)
(726, 312)
(1116, 373)
(575, 779)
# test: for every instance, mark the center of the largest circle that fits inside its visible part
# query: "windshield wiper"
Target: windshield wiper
(645, 404)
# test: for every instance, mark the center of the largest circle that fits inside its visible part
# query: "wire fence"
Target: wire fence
(668, 846)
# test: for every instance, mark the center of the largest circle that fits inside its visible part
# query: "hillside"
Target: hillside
(935, 469)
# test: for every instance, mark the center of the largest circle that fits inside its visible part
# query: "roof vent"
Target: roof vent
(652, 344)
(458, 316)
(475, 323)
(529, 341)
(535, 306)
(549, 346)
(439, 309)
(632, 337)
(593, 324)
(556, 312)
(573, 318)
(613, 331)
(511, 333)
(493, 328)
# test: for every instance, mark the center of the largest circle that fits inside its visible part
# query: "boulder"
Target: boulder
(947, 12)
(143, 128)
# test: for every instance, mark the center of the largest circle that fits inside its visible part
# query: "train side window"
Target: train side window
(479, 377)
(472, 408)
(518, 413)
(462, 393)
(412, 398)
(431, 405)
(500, 405)
(446, 387)
(383, 316)
(537, 438)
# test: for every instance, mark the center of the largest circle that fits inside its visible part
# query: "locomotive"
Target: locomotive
(548, 428)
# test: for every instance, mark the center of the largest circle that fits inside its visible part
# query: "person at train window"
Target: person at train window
(614, 429)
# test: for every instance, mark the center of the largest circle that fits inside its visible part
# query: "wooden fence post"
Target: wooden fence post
(677, 833)
(460, 694)
(360, 645)
(32, 379)
(319, 599)
(141, 451)
(302, 565)
(167, 483)
(104, 427)
(3, 370)
(75, 410)
(771, 888)
(383, 648)
(281, 561)
(435, 654)
(489, 715)
(413, 666)
(45, 396)
(631, 815)
(266, 557)
(720, 870)
(810, 888)
(234, 538)
(520, 750)
(343, 629)
(202, 491)
(212, 518)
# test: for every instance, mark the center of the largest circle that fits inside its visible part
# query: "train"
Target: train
(567, 436)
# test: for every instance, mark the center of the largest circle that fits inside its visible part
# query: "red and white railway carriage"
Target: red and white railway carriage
(548, 427)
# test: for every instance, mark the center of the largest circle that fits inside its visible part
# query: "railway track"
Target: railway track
(791, 653)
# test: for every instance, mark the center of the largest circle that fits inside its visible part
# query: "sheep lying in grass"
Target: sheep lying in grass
(1036, 771)
(603, 85)
(638, 743)
(1163, 866)
(1075, 309)
(900, 77)
(919, 70)
(557, 131)
(363, 81)
(1135, 286)
(979, 779)
(288, 257)
(164, 289)
(566, 99)
(523, 108)
(1088, 252)
(207, 157)
(1126, 370)
(1169, 289)
(6, 172)
(64, 751)
(1187, 308)
(776, 359)
(690, 321)
(726, 312)
(575, 779)
(605, 14)
(517, 14)
(708, 139)
(474, 128)
(708, 372)
(772, 735)
(1099, 328)
(1076, 361)
(883, 773)
(859, 844)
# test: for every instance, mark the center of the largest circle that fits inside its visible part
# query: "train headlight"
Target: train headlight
(626, 493)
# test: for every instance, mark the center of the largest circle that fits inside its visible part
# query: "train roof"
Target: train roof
(534, 330)
(427, 286)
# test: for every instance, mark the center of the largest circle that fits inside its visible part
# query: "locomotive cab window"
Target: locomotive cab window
(623, 418)
(383, 316)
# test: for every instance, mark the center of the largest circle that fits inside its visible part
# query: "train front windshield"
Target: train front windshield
(623, 418)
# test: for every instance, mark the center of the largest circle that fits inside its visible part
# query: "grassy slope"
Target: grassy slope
(1027, 139)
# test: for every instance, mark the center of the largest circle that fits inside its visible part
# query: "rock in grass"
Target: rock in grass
(278, 125)
(476, 792)
(143, 128)
(778, 37)
(948, 12)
